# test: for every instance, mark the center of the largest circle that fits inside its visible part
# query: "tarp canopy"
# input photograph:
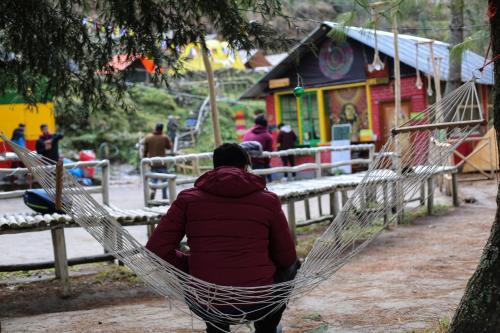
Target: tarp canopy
(220, 55)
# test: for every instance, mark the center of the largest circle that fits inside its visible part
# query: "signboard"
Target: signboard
(279, 83)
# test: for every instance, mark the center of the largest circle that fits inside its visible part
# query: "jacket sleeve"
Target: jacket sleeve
(269, 143)
(168, 143)
(281, 244)
(279, 139)
(145, 151)
(40, 149)
(167, 236)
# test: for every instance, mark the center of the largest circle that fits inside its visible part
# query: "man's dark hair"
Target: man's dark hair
(159, 127)
(280, 125)
(260, 120)
(43, 125)
(22, 125)
(231, 154)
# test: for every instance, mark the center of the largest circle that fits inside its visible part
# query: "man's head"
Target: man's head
(280, 125)
(231, 154)
(159, 128)
(22, 126)
(44, 128)
(260, 120)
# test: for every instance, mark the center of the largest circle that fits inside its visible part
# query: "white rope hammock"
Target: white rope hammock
(423, 151)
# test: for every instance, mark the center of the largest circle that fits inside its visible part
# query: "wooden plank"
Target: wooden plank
(51, 264)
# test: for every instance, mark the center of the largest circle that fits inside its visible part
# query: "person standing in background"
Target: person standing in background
(260, 133)
(156, 144)
(18, 135)
(286, 140)
(47, 144)
(172, 127)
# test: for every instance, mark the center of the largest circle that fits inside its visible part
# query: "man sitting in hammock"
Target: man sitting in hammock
(236, 231)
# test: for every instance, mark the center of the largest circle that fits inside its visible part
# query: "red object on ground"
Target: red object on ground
(236, 230)
(87, 155)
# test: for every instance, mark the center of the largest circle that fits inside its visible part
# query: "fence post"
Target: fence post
(172, 189)
(291, 219)
(344, 197)
(430, 195)
(105, 182)
(387, 206)
(422, 193)
(454, 189)
(307, 208)
(60, 258)
(334, 204)
(145, 182)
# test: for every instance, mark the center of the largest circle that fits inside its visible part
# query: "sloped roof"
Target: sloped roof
(407, 54)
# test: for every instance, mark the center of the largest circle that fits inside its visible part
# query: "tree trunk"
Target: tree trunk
(213, 97)
(456, 37)
(479, 309)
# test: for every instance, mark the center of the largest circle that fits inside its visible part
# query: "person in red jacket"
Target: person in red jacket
(260, 133)
(236, 231)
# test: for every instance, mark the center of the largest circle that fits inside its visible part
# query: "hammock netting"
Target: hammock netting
(417, 150)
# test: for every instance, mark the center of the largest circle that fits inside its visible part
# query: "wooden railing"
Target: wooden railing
(171, 180)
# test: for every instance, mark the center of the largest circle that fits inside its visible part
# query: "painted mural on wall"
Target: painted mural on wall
(348, 106)
(335, 62)
(335, 59)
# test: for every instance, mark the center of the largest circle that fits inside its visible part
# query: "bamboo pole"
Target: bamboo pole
(397, 112)
(58, 240)
(435, 126)
(59, 183)
(213, 103)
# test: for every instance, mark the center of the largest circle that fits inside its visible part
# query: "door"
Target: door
(309, 118)
(387, 118)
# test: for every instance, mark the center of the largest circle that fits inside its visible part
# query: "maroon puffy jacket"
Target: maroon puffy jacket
(235, 228)
(260, 134)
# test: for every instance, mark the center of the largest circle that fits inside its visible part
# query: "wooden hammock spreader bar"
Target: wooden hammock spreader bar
(455, 124)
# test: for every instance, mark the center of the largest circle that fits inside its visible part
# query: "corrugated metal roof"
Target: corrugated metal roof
(407, 54)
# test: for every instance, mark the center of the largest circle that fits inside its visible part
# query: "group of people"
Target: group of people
(46, 145)
(261, 135)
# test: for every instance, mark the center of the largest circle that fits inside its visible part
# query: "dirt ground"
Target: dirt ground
(406, 280)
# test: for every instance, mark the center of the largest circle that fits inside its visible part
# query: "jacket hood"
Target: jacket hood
(230, 182)
(258, 129)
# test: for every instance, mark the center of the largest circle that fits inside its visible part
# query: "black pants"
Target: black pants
(266, 325)
(288, 160)
(271, 321)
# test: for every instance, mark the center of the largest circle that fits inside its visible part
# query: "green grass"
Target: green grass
(411, 215)
(441, 326)
(115, 273)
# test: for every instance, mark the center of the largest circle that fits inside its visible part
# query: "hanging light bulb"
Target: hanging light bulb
(377, 64)
(419, 84)
(429, 82)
